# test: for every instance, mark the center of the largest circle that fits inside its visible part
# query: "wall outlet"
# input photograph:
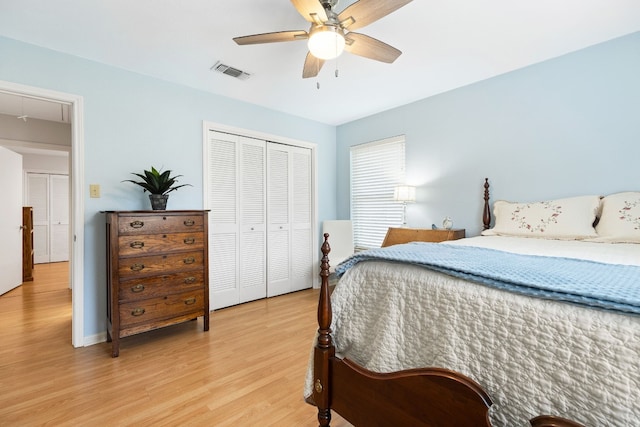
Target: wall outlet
(94, 190)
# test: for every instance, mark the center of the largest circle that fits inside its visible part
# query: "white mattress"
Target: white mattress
(532, 356)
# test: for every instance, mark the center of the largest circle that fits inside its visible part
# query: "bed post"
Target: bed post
(324, 349)
(486, 215)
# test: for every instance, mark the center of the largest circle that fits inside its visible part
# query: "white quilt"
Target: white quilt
(532, 356)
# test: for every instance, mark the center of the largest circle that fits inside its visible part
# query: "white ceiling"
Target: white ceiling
(445, 45)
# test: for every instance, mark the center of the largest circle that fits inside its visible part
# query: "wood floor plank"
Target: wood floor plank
(247, 370)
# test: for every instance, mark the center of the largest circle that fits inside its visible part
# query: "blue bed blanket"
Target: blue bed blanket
(609, 286)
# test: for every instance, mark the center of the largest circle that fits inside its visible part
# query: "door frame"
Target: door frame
(76, 268)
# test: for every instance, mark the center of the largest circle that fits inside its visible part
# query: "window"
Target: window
(376, 168)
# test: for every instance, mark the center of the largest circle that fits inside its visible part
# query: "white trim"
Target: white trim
(36, 147)
(397, 138)
(76, 273)
(95, 339)
(212, 126)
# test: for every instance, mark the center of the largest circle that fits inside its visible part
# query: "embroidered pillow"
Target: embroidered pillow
(567, 219)
(620, 219)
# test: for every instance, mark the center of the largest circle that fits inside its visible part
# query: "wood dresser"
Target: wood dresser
(157, 271)
(396, 236)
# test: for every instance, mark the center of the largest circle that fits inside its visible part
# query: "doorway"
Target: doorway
(76, 177)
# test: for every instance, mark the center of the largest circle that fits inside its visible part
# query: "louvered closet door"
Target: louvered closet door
(301, 234)
(237, 219)
(278, 216)
(253, 283)
(289, 219)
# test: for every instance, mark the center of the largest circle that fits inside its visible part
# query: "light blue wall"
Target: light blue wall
(133, 122)
(568, 126)
(564, 127)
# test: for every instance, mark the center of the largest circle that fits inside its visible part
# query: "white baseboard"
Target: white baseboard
(94, 339)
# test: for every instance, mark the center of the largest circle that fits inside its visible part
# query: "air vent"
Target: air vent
(230, 71)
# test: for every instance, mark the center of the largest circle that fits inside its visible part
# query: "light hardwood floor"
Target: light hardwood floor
(247, 370)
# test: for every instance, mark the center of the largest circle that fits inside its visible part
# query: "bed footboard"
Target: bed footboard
(429, 396)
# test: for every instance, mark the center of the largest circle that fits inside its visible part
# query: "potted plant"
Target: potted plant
(158, 184)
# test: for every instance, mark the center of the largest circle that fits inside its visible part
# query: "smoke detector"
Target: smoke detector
(230, 71)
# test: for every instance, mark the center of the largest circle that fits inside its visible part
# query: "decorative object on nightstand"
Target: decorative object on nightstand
(396, 236)
(447, 223)
(404, 194)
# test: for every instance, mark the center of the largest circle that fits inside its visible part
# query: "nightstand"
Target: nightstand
(396, 236)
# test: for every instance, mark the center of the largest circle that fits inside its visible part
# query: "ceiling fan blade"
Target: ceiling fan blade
(312, 66)
(311, 10)
(364, 12)
(279, 36)
(371, 48)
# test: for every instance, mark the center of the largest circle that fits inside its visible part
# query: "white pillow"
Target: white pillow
(620, 218)
(566, 219)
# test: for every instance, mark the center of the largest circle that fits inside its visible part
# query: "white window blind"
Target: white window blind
(376, 168)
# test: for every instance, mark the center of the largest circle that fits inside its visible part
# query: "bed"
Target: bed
(405, 343)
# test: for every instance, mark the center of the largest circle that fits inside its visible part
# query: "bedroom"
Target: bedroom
(539, 132)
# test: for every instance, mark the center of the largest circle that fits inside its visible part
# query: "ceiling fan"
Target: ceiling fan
(331, 33)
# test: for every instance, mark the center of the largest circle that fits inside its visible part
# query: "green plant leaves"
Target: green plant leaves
(155, 182)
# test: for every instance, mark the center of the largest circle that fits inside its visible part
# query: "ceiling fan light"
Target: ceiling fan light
(326, 42)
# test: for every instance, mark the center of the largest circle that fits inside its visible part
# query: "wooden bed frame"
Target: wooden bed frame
(417, 397)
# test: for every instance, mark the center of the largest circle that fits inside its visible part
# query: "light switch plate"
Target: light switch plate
(94, 190)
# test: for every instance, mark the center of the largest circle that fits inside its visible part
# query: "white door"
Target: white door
(59, 218)
(253, 245)
(48, 194)
(223, 221)
(38, 199)
(289, 214)
(301, 224)
(10, 220)
(237, 241)
(278, 215)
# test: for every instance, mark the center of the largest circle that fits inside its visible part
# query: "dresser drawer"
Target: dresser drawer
(156, 308)
(153, 286)
(155, 265)
(136, 245)
(140, 224)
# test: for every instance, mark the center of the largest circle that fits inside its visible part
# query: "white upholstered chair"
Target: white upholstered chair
(340, 239)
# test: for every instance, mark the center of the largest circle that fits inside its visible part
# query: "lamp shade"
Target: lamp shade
(404, 193)
(326, 42)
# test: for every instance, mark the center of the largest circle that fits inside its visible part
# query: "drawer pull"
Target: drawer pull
(137, 288)
(137, 267)
(137, 245)
(189, 260)
(189, 280)
(137, 311)
(189, 222)
(189, 241)
(137, 224)
(190, 301)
